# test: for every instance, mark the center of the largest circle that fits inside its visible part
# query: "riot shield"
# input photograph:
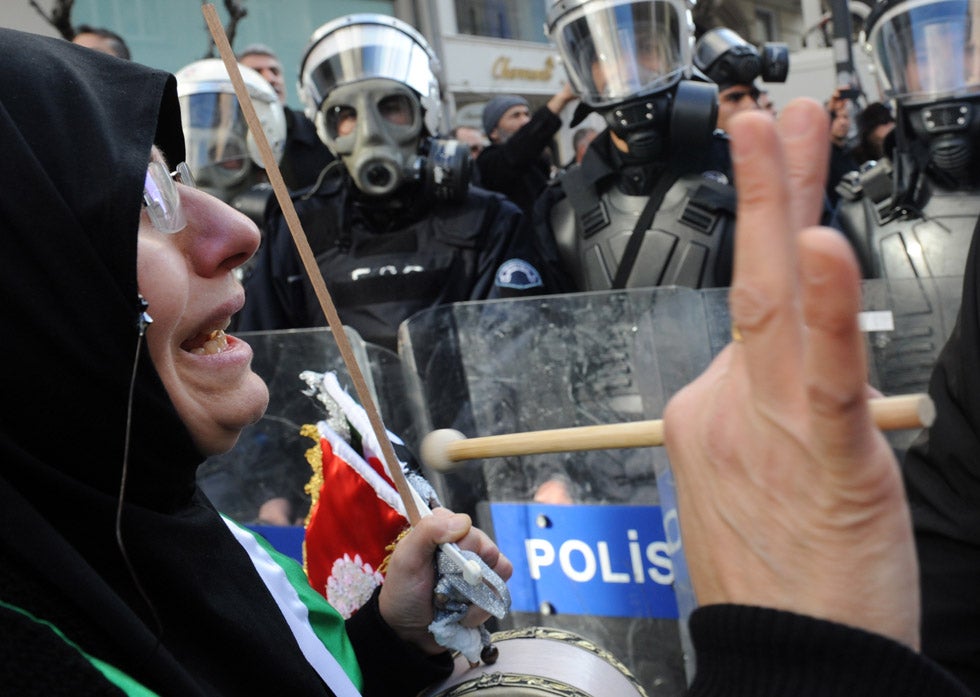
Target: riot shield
(906, 322)
(583, 529)
(591, 566)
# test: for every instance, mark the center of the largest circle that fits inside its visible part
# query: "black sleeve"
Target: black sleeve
(755, 651)
(942, 480)
(391, 668)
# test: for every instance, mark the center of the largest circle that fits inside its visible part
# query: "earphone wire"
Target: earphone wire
(144, 321)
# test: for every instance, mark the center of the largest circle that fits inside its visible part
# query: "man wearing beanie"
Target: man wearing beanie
(515, 163)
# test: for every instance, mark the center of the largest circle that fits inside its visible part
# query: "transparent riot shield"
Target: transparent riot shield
(906, 322)
(584, 529)
(269, 462)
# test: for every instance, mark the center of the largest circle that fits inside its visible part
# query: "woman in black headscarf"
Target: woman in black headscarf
(114, 567)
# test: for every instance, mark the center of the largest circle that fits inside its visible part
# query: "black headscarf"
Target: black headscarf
(76, 128)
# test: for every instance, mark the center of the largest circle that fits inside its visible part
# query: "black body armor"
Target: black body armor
(689, 242)
(900, 241)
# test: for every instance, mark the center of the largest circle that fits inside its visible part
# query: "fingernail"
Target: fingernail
(458, 524)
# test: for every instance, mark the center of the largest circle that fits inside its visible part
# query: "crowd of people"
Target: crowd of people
(821, 565)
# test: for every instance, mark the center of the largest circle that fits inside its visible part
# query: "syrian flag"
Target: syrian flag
(356, 514)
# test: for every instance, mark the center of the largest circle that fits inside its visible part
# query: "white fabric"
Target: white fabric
(295, 613)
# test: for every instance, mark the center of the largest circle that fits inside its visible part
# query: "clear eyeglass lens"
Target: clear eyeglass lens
(184, 174)
(162, 198)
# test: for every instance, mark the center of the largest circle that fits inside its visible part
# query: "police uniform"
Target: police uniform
(385, 261)
(591, 213)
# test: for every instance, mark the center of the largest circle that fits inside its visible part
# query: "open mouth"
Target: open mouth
(207, 343)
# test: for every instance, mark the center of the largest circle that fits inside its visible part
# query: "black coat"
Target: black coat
(942, 478)
(519, 168)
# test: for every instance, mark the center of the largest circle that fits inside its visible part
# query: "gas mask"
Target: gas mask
(728, 59)
(630, 60)
(374, 127)
(927, 59)
(370, 83)
(950, 129)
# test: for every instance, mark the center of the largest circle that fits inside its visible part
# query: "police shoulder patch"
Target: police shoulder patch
(518, 274)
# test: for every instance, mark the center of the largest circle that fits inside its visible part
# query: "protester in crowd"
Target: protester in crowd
(795, 527)
(875, 122)
(516, 163)
(391, 238)
(304, 155)
(101, 39)
(116, 573)
(841, 160)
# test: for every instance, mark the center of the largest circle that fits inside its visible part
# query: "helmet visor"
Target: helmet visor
(363, 51)
(928, 50)
(215, 133)
(616, 50)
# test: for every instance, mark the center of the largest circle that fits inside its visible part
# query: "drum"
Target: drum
(538, 661)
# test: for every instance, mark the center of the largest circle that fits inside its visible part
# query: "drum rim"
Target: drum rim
(567, 637)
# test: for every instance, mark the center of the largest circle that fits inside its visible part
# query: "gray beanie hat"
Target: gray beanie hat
(497, 107)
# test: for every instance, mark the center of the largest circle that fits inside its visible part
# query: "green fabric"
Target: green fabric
(111, 673)
(327, 623)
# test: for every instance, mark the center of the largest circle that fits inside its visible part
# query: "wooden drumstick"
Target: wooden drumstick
(441, 449)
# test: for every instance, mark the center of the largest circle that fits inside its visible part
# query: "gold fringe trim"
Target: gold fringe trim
(314, 456)
(390, 549)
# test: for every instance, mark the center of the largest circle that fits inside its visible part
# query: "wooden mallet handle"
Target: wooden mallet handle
(440, 449)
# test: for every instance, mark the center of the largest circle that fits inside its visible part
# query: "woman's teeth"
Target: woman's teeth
(216, 343)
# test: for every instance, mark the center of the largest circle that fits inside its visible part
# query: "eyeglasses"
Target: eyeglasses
(161, 197)
(739, 95)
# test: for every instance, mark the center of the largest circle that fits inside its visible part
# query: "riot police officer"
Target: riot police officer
(223, 156)
(648, 205)
(393, 223)
(913, 213)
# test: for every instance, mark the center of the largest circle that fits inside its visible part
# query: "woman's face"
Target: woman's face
(188, 282)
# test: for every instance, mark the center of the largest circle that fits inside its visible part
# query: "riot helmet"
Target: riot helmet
(221, 152)
(630, 60)
(371, 83)
(927, 57)
(926, 50)
(616, 50)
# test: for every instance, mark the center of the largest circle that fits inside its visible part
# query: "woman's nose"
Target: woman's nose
(221, 238)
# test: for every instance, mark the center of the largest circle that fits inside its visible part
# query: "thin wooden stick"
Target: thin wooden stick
(309, 262)
(442, 448)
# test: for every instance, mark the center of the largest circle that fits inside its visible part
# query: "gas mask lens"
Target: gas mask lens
(395, 109)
